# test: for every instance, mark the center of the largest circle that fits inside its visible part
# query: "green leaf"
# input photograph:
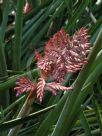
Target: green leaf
(18, 36)
(84, 123)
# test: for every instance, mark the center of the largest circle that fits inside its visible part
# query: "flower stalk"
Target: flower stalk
(25, 110)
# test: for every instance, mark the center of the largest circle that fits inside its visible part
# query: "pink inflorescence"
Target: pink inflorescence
(23, 85)
(27, 8)
(62, 55)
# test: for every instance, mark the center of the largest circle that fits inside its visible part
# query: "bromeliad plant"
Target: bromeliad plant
(56, 68)
(62, 55)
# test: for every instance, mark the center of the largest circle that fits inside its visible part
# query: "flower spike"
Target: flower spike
(64, 54)
(24, 85)
(40, 89)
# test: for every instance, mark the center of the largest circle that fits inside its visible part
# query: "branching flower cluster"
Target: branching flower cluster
(62, 55)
